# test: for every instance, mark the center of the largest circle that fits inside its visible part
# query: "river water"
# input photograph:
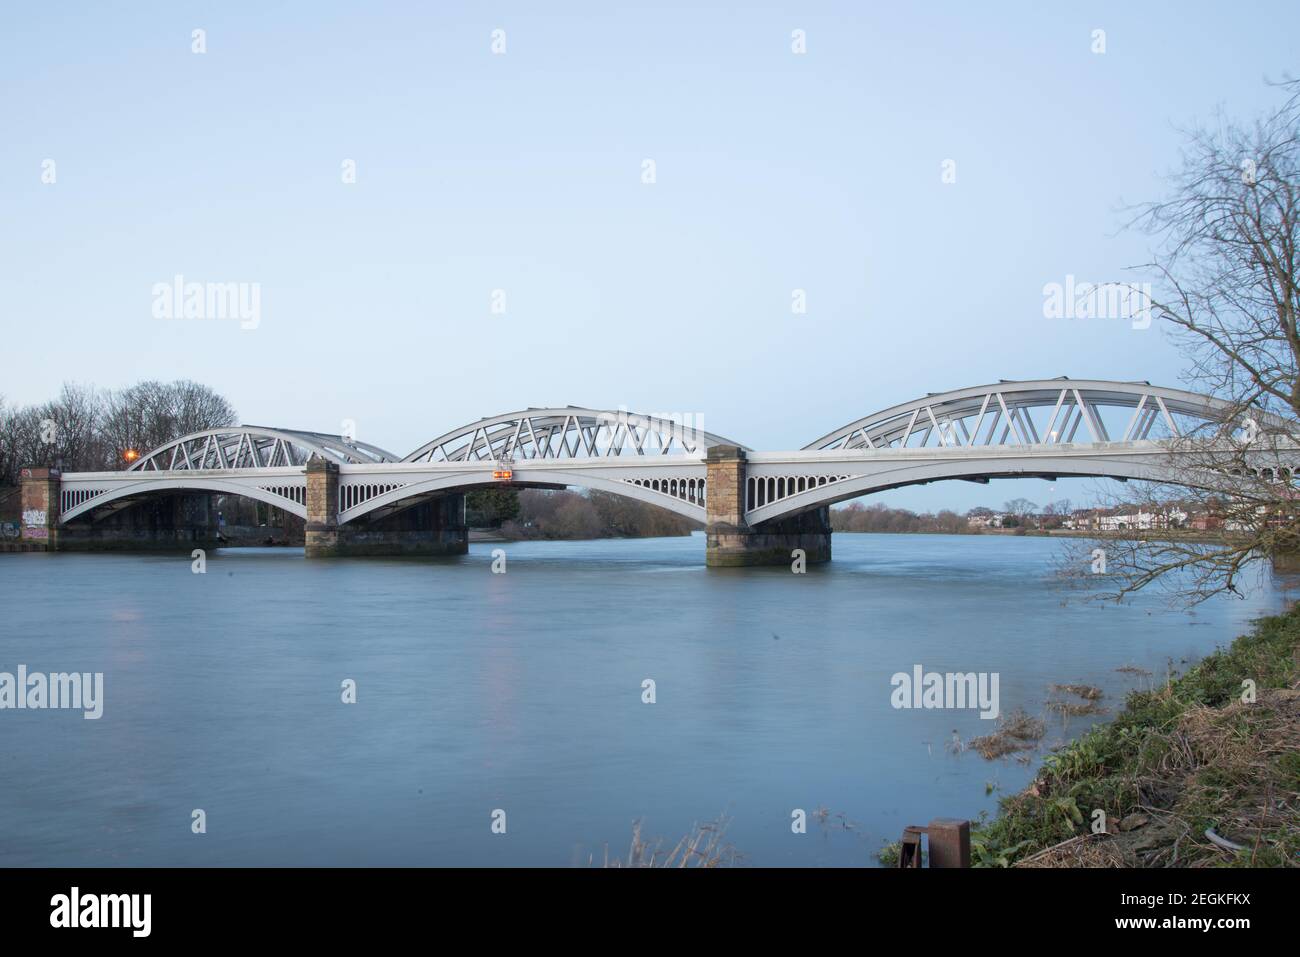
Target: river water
(523, 692)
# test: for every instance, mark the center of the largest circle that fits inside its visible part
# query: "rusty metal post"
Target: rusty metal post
(909, 848)
(949, 842)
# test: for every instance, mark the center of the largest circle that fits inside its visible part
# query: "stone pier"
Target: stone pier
(731, 541)
(39, 522)
(322, 509)
(434, 527)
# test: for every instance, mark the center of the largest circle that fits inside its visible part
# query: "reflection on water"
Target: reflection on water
(523, 692)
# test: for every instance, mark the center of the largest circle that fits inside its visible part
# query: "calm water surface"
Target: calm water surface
(522, 691)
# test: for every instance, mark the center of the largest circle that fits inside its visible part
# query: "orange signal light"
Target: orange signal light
(130, 455)
(503, 475)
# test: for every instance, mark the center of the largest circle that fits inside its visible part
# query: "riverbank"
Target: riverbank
(513, 534)
(1195, 755)
(1179, 535)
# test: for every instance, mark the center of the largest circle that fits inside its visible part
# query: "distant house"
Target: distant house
(1206, 522)
(1141, 520)
(983, 518)
(1081, 519)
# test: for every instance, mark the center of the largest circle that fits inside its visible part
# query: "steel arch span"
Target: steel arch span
(676, 486)
(255, 447)
(656, 460)
(780, 486)
(1024, 413)
(1042, 428)
(570, 432)
(101, 493)
(260, 463)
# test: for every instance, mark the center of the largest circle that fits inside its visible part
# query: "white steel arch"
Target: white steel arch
(255, 447)
(1040, 428)
(570, 432)
(849, 475)
(1031, 412)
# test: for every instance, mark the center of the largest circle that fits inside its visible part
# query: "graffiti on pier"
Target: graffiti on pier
(35, 524)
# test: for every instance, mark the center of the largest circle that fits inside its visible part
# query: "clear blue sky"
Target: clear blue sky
(523, 172)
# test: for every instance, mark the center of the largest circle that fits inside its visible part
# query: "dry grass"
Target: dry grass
(704, 846)
(1084, 702)
(1016, 731)
(1086, 850)
(1072, 708)
(1218, 765)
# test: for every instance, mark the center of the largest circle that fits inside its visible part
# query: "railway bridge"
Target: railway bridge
(756, 507)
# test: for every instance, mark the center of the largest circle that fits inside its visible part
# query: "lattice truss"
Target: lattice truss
(567, 433)
(1044, 412)
(253, 447)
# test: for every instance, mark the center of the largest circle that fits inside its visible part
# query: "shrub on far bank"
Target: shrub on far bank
(878, 518)
(572, 515)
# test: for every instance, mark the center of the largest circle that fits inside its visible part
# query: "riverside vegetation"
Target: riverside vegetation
(1191, 774)
(538, 514)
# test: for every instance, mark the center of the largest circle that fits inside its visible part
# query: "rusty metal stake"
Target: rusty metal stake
(949, 842)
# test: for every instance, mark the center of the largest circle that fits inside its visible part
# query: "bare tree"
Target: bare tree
(88, 430)
(1226, 254)
(63, 433)
(69, 428)
(1021, 508)
(150, 414)
(1054, 513)
(10, 442)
